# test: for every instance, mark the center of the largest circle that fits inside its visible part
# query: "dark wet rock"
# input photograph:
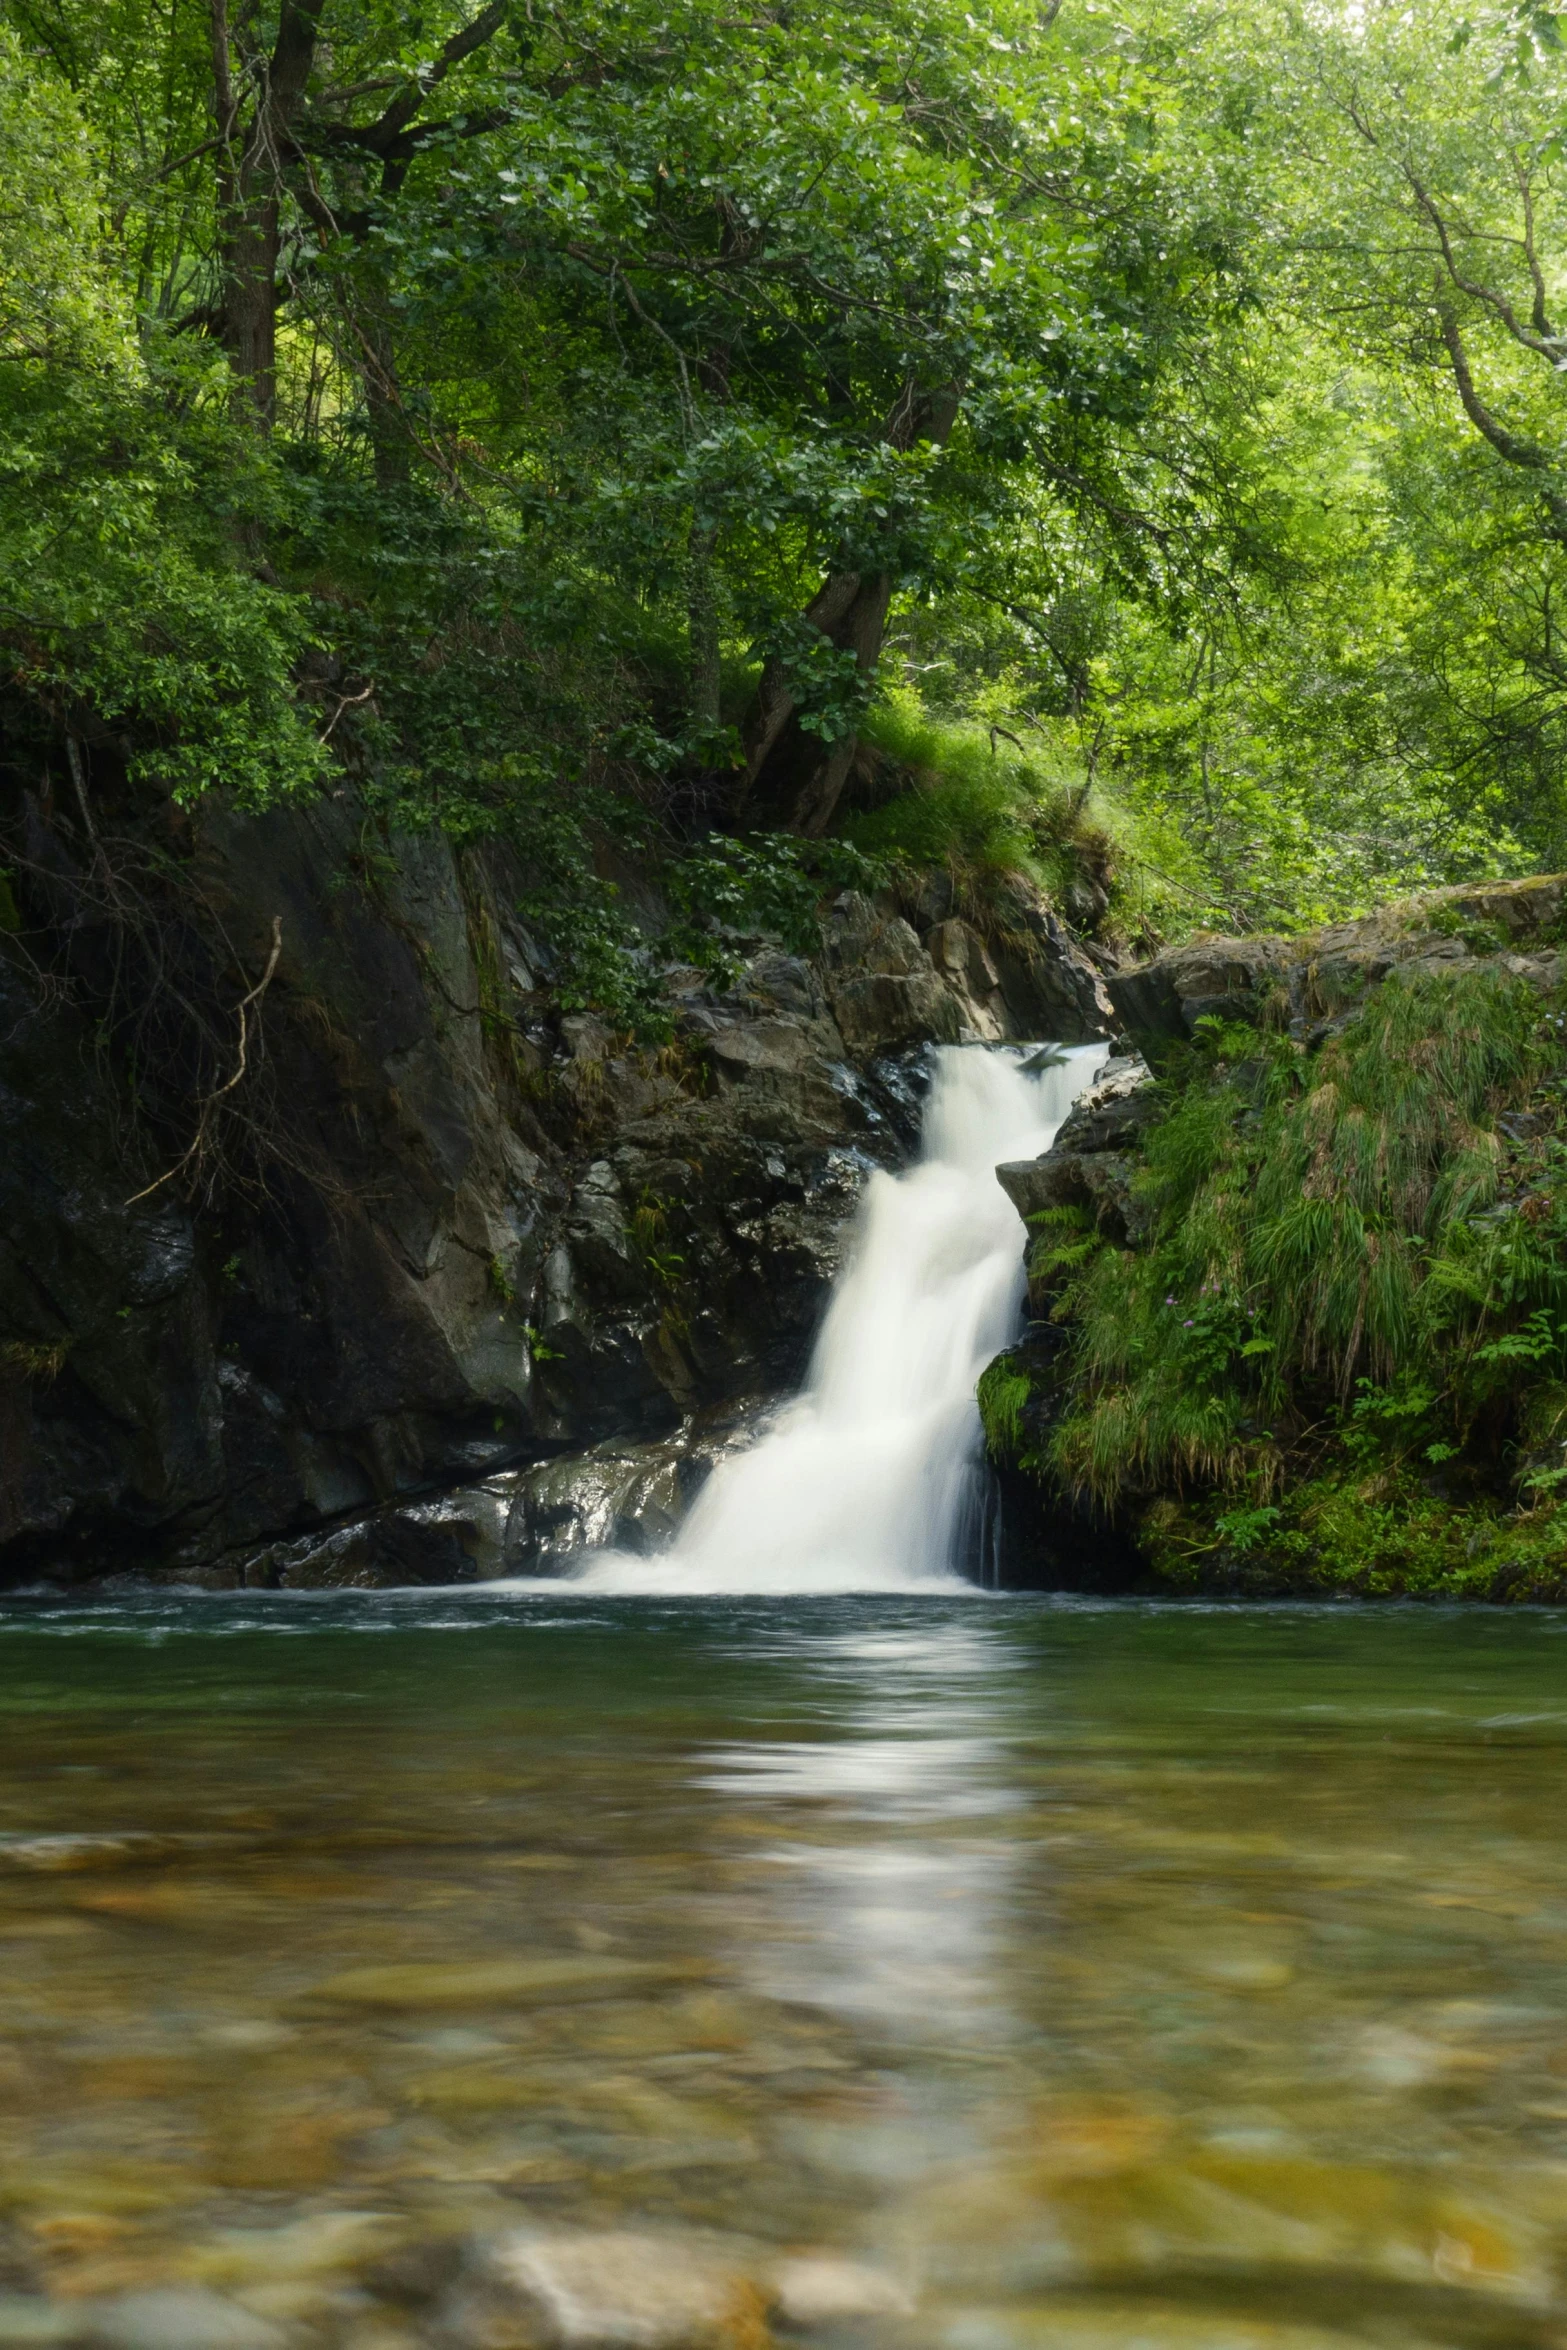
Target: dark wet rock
(1041, 1540)
(395, 1547)
(618, 1496)
(1315, 981)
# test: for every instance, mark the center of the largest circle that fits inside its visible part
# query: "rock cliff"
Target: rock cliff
(409, 1273)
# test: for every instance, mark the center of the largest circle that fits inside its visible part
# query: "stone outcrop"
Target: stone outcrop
(1029, 977)
(1090, 1164)
(1312, 981)
(450, 1235)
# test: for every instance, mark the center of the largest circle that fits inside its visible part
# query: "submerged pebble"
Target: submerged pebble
(29, 2318)
(179, 2318)
(500, 1982)
(583, 2290)
(823, 2288)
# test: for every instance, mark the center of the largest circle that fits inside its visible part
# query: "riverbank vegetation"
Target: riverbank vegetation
(1336, 1355)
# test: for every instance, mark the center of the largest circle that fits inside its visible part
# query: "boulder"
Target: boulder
(618, 1496)
(1051, 982)
(1317, 979)
(960, 956)
(884, 989)
(1224, 978)
(1091, 1163)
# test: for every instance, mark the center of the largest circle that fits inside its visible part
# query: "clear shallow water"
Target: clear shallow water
(1120, 1977)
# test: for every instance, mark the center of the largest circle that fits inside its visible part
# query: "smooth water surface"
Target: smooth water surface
(1113, 1976)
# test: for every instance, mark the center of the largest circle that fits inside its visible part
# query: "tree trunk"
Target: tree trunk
(793, 779)
(250, 196)
(391, 445)
(250, 305)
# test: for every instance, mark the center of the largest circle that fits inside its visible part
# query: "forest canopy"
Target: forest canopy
(913, 429)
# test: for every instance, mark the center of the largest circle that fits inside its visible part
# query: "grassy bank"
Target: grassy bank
(1335, 1357)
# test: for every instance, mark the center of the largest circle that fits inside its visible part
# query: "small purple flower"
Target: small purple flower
(1186, 1325)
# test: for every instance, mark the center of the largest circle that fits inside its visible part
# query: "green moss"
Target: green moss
(1388, 1536)
(1004, 1388)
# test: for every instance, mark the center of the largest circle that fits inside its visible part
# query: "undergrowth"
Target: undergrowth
(1339, 1354)
(984, 806)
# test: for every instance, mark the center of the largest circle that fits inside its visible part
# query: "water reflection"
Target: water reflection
(883, 1908)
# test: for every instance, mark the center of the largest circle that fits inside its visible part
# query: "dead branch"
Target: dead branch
(209, 1105)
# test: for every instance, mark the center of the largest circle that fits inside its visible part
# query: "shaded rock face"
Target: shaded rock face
(542, 1519)
(471, 1236)
(1315, 981)
(1050, 1542)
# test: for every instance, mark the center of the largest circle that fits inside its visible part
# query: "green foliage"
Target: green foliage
(763, 884)
(966, 808)
(124, 589)
(1189, 385)
(982, 808)
(1346, 1250)
(1003, 1391)
(1365, 1537)
(59, 304)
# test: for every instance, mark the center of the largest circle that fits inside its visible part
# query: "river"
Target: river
(1105, 1977)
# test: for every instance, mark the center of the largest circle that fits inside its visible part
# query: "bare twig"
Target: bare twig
(209, 1105)
(344, 702)
(73, 757)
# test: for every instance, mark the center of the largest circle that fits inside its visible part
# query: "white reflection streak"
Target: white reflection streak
(893, 1914)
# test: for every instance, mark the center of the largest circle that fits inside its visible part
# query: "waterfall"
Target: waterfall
(864, 1481)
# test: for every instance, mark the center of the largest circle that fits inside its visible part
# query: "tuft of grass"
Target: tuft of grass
(35, 1361)
(965, 804)
(1004, 1389)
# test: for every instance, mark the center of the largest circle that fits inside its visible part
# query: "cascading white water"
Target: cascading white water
(861, 1484)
